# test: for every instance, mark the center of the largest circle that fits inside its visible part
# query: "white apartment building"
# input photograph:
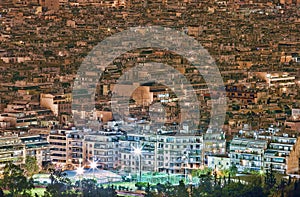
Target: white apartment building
(247, 154)
(103, 148)
(280, 150)
(168, 152)
(161, 153)
(282, 153)
(75, 149)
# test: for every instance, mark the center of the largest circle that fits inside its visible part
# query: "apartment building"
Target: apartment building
(214, 142)
(279, 80)
(57, 103)
(180, 152)
(59, 147)
(129, 161)
(279, 150)
(15, 147)
(72, 148)
(282, 153)
(11, 150)
(37, 146)
(219, 162)
(75, 149)
(19, 119)
(247, 153)
(164, 153)
(242, 94)
(103, 148)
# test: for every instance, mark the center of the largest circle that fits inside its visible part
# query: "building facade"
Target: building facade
(247, 154)
(15, 148)
(278, 151)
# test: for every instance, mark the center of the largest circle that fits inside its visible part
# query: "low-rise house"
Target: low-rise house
(220, 162)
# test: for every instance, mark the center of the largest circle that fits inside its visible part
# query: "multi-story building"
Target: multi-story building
(214, 142)
(282, 153)
(179, 152)
(247, 154)
(161, 153)
(37, 146)
(279, 150)
(102, 148)
(75, 149)
(129, 161)
(57, 103)
(58, 146)
(276, 79)
(15, 148)
(11, 150)
(168, 152)
(242, 93)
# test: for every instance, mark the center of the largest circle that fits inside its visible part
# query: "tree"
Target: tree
(205, 186)
(31, 167)
(199, 172)
(180, 190)
(270, 179)
(89, 187)
(1, 192)
(107, 192)
(233, 170)
(15, 180)
(147, 190)
(60, 185)
(141, 185)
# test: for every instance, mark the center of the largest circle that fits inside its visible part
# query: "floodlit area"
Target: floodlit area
(102, 176)
(155, 178)
(108, 177)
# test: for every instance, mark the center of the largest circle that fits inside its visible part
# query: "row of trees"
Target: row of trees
(19, 182)
(212, 185)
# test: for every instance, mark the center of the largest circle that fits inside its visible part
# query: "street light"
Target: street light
(138, 152)
(93, 166)
(186, 161)
(80, 171)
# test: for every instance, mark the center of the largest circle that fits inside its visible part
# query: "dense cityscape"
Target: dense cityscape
(151, 122)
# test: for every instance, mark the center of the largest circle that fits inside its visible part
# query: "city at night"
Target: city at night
(149, 98)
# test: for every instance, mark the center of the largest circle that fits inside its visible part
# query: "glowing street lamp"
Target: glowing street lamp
(80, 171)
(93, 166)
(138, 152)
